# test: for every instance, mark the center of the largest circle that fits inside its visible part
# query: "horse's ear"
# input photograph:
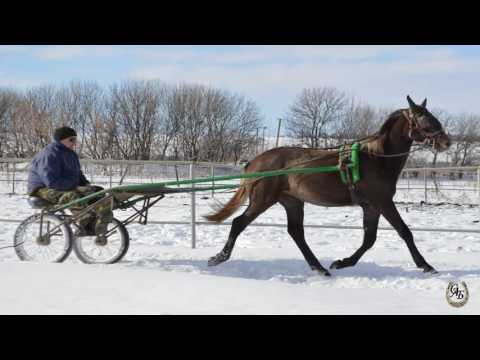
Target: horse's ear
(424, 103)
(411, 103)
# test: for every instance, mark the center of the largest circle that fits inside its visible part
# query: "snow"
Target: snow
(267, 274)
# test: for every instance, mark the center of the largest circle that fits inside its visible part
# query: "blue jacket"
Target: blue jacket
(56, 167)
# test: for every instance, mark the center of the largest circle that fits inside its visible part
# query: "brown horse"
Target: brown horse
(382, 158)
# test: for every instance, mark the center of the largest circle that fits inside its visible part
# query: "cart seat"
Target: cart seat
(37, 203)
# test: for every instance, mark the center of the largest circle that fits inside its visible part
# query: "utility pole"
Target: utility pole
(256, 144)
(278, 131)
(263, 140)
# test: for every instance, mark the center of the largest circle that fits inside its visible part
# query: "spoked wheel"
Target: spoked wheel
(109, 250)
(54, 245)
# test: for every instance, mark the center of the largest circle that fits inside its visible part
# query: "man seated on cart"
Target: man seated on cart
(55, 175)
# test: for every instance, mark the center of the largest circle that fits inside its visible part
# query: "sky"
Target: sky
(270, 75)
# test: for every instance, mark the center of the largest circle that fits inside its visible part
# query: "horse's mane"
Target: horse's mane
(377, 145)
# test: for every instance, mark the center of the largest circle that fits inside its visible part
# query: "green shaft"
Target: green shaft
(262, 174)
(219, 187)
(158, 186)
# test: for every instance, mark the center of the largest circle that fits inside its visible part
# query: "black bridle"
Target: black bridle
(429, 137)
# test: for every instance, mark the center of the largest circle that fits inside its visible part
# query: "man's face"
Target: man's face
(70, 142)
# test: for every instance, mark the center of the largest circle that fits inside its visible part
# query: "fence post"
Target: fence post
(425, 183)
(478, 182)
(176, 174)
(212, 174)
(92, 174)
(408, 181)
(192, 174)
(111, 174)
(7, 179)
(13, 177)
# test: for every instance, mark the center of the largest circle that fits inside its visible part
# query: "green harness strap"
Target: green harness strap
(354, 165)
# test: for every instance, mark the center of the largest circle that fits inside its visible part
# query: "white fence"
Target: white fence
(437, 185)
(108, 173)
(459, 185)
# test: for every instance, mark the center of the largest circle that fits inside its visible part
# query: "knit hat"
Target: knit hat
(63, 133)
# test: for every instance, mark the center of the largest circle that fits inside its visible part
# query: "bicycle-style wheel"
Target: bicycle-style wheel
(111, 249)
(53, 245)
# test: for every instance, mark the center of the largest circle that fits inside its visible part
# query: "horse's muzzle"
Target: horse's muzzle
(441, 142)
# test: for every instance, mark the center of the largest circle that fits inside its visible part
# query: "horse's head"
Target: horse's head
(424, 127)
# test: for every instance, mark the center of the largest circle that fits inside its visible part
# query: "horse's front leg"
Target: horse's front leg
(390, 212)
(370, 226)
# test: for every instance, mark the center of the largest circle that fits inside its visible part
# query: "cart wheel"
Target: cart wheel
(92, 251)
(54, 246)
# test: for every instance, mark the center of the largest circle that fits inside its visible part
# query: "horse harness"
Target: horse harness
(349, 169)
(414, 125)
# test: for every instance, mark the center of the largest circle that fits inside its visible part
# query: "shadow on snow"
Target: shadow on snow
(295, 271)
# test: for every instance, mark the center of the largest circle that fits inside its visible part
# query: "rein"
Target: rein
(344, 150)
(421, 147)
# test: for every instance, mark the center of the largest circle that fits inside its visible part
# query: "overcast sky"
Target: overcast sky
(449, 76)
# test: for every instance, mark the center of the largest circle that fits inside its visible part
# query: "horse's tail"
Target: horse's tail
(233, 204)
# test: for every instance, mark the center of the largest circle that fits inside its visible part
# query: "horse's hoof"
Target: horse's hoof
(323, 272)
(213, 261)
(430, 270)
(217, 259)
(337, 264)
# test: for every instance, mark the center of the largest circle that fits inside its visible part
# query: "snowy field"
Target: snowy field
(162, 274)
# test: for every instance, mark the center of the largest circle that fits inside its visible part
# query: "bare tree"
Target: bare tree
(313, 112)
(231, 122)
(133, 106)
(465, 136)
(358, 121)
(74, 107)
(31, 124)
(98, 130)
(247, 119)
(133, 120)
(8, 100)
(167, 124)
(193, 124)
(212, 124)
(446, 119)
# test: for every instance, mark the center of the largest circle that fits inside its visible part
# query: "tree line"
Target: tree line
(134, 120)
(150, 120)
(326, 116)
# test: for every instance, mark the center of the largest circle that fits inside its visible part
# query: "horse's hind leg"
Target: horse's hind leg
(370, 226)
(257, 206)
(295, 214)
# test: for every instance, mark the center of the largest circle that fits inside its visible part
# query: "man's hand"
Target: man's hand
(84, 189)
(88, 189)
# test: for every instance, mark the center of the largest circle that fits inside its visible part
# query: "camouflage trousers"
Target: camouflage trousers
(97, 220)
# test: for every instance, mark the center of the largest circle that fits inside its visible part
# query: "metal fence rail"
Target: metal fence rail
(451, 184)
(193, 225)
(109, 173)
(424, 176)
(312, 226)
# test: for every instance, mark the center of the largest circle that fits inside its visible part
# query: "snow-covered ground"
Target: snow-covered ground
(267, 274)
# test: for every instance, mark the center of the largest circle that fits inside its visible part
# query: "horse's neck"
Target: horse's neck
(397, 142)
